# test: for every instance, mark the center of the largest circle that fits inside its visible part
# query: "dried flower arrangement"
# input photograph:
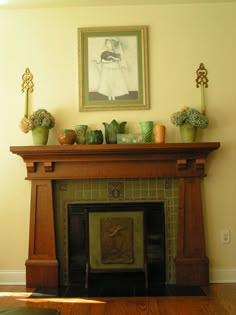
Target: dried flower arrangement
(190, 116)
(39, 118)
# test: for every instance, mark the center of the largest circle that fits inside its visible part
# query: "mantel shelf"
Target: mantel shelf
(115, 160)
(66, 151)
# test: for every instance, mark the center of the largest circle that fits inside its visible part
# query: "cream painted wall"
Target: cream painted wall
(180, 37)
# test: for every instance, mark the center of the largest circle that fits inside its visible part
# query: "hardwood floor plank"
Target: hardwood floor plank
(124, 307)
(153, 307)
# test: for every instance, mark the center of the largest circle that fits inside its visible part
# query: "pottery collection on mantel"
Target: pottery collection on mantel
(114, 132)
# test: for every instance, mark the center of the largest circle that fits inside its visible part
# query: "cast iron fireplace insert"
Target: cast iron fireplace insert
(79, 244)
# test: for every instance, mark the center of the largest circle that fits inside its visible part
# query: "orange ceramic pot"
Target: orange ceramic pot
(66, 136)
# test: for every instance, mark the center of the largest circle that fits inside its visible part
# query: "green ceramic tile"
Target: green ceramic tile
(160, 185)
(128, 194)
(144, 184)
(103, 195)
(87, 184)
(87, 195)
(144, 194)
(136, 194)
(95, 194)
(79, 195)
(95, 184)
(152, 193)
(161, 193)
(167, 193)
(127, 186)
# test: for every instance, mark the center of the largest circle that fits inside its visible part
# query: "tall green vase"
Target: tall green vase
(40, 135)
(147, 130)
(188, 133)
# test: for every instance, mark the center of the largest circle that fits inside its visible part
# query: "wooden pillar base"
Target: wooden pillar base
(192, 271)
(41, 273)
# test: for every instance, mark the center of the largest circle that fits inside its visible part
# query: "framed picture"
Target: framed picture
(113, 68)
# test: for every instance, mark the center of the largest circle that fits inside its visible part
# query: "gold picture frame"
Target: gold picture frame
(113, 68)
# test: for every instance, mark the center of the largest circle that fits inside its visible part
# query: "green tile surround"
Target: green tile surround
(99, 190)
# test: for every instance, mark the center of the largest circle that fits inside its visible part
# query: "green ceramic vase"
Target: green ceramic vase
(147, 130)
(81, 134)
(113, 129)
(188, 133)
(40, 135)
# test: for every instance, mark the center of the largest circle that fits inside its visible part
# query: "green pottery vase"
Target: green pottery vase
(81, 134)
(40, 135)
(94, 137)
(188, 133)
(113, 129)
(147, 130)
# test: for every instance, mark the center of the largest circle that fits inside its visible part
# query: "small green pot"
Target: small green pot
(188, 133)
(40, 135)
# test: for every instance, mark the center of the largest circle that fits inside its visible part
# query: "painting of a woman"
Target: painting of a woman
(112, 70)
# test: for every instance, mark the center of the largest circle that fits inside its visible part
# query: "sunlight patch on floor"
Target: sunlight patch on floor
(24, 296)
(15, 294)
(63, 300)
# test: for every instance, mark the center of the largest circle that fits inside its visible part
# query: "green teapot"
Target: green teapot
(112, 129)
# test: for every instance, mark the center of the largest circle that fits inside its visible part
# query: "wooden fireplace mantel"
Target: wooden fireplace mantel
(185, 161)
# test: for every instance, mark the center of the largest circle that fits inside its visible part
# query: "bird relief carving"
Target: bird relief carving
(117, 240)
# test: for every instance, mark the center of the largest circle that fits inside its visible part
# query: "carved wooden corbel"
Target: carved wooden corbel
(31, 168)
(181, 164)
(48, 166)
(200, 164)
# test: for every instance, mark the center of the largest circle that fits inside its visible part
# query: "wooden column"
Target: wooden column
(192, 265)
(41, 265)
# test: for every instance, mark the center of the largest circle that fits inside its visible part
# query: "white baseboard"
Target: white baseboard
(222, 275)
(12, 277)
(18, 277)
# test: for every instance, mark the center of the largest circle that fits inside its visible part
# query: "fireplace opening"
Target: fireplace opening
(136, 257)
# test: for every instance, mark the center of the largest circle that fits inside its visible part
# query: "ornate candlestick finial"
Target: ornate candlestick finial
(27, 86)
(202, 81)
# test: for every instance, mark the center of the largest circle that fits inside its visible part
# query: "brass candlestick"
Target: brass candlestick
(202, 81)
(27, 86)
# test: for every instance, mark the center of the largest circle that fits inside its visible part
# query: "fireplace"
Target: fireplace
(48, 165)
(72, 197)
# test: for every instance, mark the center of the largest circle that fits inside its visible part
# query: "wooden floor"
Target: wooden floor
(220, 299)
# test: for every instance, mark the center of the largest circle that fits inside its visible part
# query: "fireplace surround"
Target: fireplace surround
(69, 195)
(183, 161)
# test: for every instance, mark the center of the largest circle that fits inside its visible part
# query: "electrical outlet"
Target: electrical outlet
(225, 236)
